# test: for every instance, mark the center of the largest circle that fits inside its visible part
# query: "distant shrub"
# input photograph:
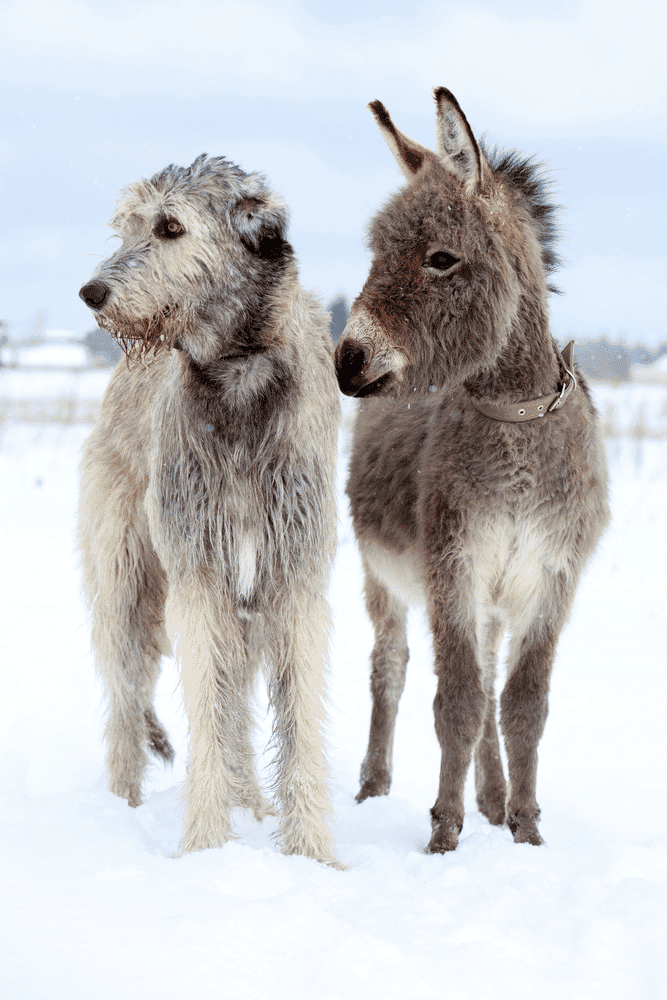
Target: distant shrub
(339, 310)
(612, 362)
(102, 347)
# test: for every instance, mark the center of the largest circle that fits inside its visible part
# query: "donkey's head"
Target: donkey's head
(460, 257)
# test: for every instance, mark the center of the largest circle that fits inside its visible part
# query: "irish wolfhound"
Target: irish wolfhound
(207, 497)
(483, 497)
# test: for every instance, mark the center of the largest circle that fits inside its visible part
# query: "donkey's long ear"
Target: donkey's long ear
(456, 145)
(409, 155)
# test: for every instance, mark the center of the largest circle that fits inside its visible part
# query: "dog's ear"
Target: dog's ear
(262, 227)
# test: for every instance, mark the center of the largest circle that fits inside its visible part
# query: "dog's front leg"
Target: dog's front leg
(298, 670)
(209, 644)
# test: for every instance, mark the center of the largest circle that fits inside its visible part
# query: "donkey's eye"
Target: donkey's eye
(170, 229)
(441, 260)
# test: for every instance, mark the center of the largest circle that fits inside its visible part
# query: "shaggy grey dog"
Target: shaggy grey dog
(207, 497)
(477, 482)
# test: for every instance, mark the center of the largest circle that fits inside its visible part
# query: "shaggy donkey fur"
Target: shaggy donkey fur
(207, 497)
(487, 521)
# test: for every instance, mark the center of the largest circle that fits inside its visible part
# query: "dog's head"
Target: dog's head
(203, 250)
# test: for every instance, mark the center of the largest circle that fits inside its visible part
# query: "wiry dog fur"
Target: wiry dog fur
(207, 497)
(487, 522)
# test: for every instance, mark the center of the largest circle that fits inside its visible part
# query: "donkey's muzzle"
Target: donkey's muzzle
(351, 360)
(356, 374)
(94, 294)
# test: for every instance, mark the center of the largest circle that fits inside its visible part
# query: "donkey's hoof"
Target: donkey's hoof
(371, 789)
(375, 781)
(524, 830)
(494, 811)
(445, 837)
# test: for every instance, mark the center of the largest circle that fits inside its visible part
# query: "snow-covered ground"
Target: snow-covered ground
(95, 907)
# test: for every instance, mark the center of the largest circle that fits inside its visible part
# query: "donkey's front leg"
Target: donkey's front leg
(388, 664)
(298, 669)
(458, 707)
(523, 714)
(489, 777)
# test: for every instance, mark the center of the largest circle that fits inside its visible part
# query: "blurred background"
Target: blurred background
(97, 93)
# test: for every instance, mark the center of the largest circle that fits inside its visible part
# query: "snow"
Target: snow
(20, 384)
(73, 355)
(94, 905)
(58, 349)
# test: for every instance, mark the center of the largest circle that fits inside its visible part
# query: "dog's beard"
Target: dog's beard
(143, 340)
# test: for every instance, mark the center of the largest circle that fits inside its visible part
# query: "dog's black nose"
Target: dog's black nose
(94, 294)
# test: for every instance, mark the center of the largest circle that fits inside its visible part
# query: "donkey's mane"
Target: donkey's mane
(526, 175)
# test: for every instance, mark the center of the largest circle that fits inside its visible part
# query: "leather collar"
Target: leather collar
(532, 409)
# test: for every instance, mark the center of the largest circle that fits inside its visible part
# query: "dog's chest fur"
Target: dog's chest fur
(212, 496)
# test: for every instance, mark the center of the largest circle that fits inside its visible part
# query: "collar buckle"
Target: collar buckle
(568, 386)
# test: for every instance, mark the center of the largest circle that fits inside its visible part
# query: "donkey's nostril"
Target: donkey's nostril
(94, 294)
(351, 360)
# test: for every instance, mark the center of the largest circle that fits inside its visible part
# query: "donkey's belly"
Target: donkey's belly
(510, 565)
(402, 574)
(506, 568)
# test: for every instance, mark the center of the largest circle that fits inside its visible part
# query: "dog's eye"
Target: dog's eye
(170, 229)
(441, 260)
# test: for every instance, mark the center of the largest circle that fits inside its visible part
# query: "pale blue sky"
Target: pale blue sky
(96, 93)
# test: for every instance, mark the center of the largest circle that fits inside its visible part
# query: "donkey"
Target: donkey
(207, 497)
(477, 479)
